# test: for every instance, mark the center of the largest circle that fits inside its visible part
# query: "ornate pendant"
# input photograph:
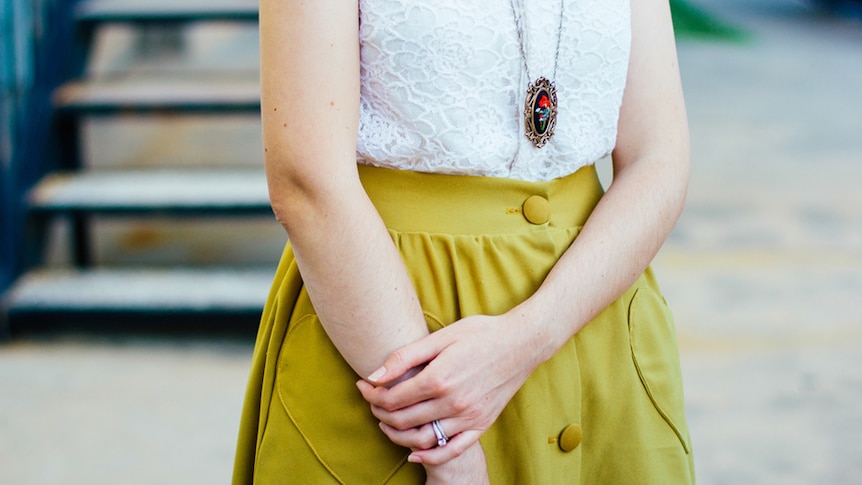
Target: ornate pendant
(540, 112)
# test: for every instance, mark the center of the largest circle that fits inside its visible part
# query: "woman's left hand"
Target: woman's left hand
(473, 367)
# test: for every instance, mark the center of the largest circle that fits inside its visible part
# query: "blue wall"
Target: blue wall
(16, 76)
(37, 42)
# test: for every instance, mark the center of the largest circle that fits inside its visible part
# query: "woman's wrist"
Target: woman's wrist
(468, 468)
(539, 331)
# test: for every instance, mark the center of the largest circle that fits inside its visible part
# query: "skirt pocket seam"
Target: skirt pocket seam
(301, 321)
(433, 319)
(653, 397)
(305, 319)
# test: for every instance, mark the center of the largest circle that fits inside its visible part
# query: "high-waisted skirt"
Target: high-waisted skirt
(606, 409)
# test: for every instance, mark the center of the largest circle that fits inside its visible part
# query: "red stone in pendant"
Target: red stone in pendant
(540, 112)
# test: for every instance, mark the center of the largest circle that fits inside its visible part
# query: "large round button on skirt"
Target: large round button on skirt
(570, 437)
(537, 209)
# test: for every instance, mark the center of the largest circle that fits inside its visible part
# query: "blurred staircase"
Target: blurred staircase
(71, 203)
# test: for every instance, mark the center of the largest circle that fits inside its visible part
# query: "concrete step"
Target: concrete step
(189, 92)
(166, 11)
(146, 297)
(167, 191)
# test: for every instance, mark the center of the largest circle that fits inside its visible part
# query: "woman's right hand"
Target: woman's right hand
(469, 468)
(466, 399)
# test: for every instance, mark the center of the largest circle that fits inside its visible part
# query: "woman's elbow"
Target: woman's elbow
(300, 192)
(290, 187)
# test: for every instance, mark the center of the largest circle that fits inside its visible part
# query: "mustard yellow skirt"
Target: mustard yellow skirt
(607, 409)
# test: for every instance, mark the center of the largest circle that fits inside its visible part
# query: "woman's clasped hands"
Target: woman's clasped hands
(469, 372)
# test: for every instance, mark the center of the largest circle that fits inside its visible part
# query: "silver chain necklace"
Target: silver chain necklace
(540, 105)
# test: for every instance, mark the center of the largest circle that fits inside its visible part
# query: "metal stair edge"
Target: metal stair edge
(165, 191)
(108, 11)
(141, 288)
(213, 298)
(194, 93)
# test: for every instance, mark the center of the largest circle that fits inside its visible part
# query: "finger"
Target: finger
(388, 399)
(364, 387)
(382, 397)
(441, 454)
(430, 384)
(406, 358)
(410, 417)
(421, 438)
(368, 391)
(423, 387)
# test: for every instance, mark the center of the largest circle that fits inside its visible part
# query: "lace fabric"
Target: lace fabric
(443, 84)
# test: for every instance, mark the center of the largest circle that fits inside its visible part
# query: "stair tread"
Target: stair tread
(152, 190)
(164, 10)
(189, 92)
(141, 290)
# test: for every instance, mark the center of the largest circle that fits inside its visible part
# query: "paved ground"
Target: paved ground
(765, 268)
(764, 272)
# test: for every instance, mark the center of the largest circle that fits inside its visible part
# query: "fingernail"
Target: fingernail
(376, 375)
(414, 459)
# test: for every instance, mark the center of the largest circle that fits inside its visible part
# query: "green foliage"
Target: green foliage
(692, 22)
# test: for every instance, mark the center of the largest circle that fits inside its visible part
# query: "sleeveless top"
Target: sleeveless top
(443, 84)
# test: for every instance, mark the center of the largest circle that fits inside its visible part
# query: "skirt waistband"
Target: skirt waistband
(465, 204)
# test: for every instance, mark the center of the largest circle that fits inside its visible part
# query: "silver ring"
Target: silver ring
(442, 439)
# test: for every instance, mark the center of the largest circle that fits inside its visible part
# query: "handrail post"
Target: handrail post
(38, 47)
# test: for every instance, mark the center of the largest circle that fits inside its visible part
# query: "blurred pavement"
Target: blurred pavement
(764, 273)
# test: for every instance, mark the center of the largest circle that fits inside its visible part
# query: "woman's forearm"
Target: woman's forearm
(354, 276)
(309, 112)
(631, 222)
(309, 108)
(621, 237)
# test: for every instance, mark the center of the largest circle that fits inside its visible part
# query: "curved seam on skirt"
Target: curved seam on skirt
(644, 381)
(284, 406)
(303, 320)
(434, 318)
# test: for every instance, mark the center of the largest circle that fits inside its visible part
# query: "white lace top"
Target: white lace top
(443, 84)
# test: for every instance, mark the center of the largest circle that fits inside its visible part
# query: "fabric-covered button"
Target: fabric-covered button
(570, 437)
(537, 209)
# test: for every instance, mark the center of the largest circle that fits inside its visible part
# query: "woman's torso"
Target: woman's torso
(443, 84)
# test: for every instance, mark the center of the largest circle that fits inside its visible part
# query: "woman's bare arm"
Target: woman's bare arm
(310, 108)
(622, 235)
(651, 169)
